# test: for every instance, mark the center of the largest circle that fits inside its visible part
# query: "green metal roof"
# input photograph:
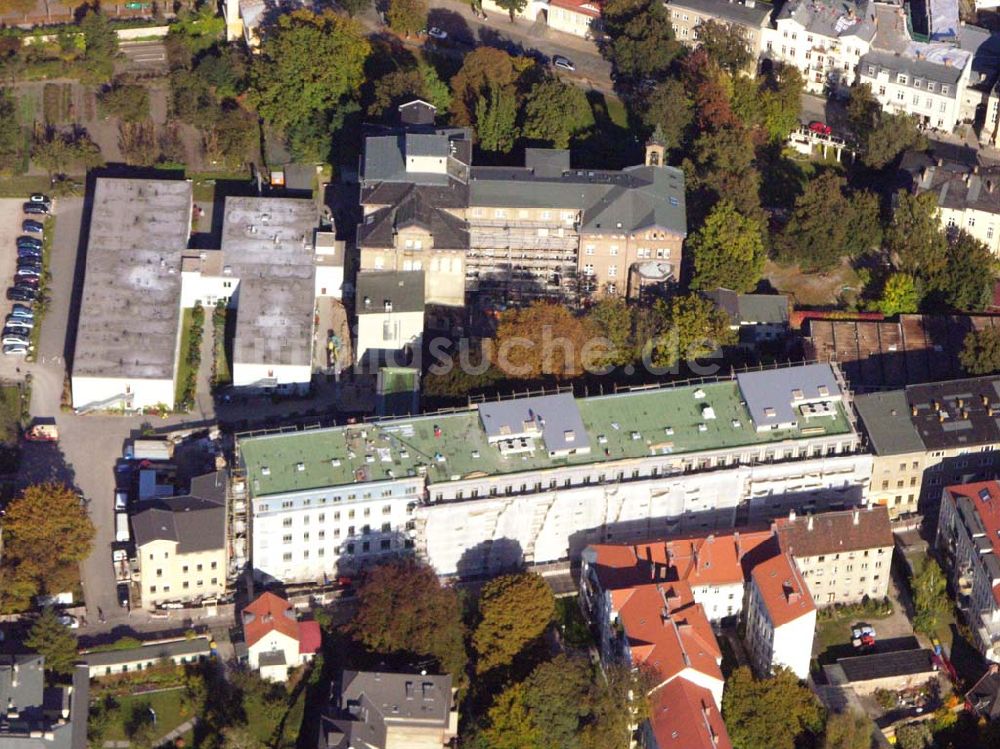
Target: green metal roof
(454, 445)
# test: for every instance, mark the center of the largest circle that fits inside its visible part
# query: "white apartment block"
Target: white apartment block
(537, 479)
(781, 617)
(929, 87)
(823, 39)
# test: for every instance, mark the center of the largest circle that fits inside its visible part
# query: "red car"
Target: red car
(820, 127)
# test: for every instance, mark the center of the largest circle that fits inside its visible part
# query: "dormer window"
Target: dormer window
(901, 79)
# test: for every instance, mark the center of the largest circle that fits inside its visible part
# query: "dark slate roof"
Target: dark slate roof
(272, 658)
(196, 521)
(769, 309)
(828, 17)
(978, 425)
(983, 695)
(985, 49)
(916, 70)
(632, 199)
(404, 289)
(151, 651)
(417, 112)
(886, 665)
(755, 15)
(956, 184)
(37, 704)
(413, 207)
(420, 144)
(886, 420)
(453, 195)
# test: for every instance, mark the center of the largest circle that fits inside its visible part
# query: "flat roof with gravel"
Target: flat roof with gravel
(445, 447)
(130, 314)
(268, 244)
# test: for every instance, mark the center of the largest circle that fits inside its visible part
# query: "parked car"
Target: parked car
(69, 621)
(22, 294)
(20, 330)
(12, 339)
(820, 127)
(29, 252)
(29, 261)
(18, 349)
(35, 273)
(32, 227)
(563, 62)
(22, 311)
(435, 33)
(32, 242)
(20, 322)
(123, 595)
(38, 209)
(39, 198)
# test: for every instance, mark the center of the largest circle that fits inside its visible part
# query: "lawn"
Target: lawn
(184, 366)
(12, 412)
(167, 705)
(223, 330)
(835, 288)
(835, 633)
(571, 623)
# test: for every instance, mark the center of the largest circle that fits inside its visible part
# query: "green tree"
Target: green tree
(894, 134)
(100, 44)
(966, 284)
(140, 727)
(641, 41)
(620, 702)
(57, 152)
(779, 712)
(401, 86)
(981, 351)
(308, 62)
(545, 340)
(726, 45)
(403, 609)
(724, 166)
(901, 293)
(126, 101)
(555, 112)
(482, 69)
(914, 237)
(513, 7)
(728, 251)
(510, 724)
(55, 641)
(816, 235)
(407, 16)
(914, 736)
(496, 119)
(46, 533)
(864, 223)
(611, 318)
(670, 109)
(514, 611)
(781, 102)
(688, 327)
(849, 730)
(930, 597)
(10, 132)
(355, 7)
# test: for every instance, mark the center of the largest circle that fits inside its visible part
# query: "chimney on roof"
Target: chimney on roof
(913, 409)
(857, 516)
(940, 162)
(809, 523)
(791, 515)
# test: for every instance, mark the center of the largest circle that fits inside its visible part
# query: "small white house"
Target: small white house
(275, 639)
(390, 315)
(781, 617)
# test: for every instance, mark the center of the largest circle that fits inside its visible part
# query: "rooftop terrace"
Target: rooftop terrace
(445, 447)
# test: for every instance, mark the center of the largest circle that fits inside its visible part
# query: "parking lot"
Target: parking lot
(11, 218)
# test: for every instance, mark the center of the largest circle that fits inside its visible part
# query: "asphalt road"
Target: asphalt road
(466, 31)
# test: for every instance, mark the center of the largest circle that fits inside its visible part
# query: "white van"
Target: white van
(121, 527)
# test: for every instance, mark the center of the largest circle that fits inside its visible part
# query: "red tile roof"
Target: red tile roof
(985, 499)
(684, 715)
(266, 614)
(715, 559)
(782, 589)
(668, 631)
(310, 637)
(590, 8)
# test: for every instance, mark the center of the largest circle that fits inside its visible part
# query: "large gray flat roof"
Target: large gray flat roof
(267, 243)
(772, 395)
(130, 315)
(886, 419)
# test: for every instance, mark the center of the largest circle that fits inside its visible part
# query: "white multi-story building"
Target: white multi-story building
(968, 537)
(823, 39)
(928, 82)
(538, 479)
(781, 617)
